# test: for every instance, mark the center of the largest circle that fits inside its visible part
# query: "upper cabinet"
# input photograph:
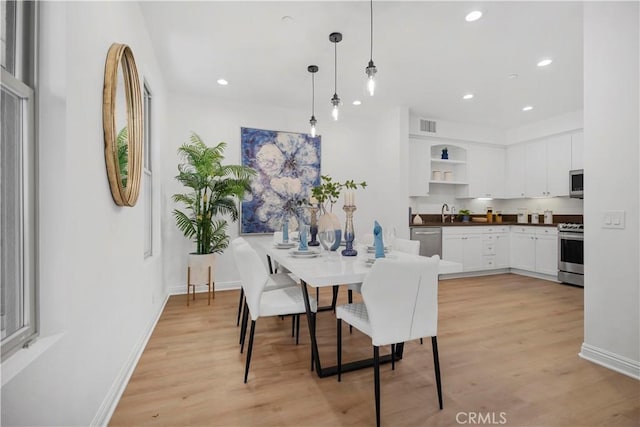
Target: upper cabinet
(558, 165)
(547, 165)
(419, 167)
(515, 171)
(485, 172)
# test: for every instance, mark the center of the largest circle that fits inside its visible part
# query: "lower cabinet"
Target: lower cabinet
(535, 249)
(480, 248)
(477, 248)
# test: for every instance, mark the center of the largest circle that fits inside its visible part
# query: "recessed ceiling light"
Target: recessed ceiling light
(473, 16)
(527, 108)
(513, 76)
(544, 62)
(357, 102)
(468, 96)
(287, 19)
(222, 82)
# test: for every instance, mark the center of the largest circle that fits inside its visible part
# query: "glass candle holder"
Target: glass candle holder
(349, 234)
(313, 226)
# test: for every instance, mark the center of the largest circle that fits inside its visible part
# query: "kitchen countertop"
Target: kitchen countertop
(478, 224)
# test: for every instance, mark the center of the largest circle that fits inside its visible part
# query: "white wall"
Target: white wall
(563, 123)
(98, 295)
(355, 147)
(458, 131)
(611, 138)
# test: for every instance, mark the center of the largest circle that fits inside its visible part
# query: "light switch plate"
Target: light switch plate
(613, 219)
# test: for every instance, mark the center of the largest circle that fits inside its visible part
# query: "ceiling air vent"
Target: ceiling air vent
(427, 126)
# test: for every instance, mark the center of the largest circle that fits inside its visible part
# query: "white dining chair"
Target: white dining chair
(278, 281)
(400, 303)
(261, 302)
(401, 245)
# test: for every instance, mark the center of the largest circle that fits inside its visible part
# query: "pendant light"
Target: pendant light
(313, 69)
(371, 68)
(335, 38)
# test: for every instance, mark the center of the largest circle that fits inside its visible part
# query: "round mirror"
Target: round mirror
(122, 123)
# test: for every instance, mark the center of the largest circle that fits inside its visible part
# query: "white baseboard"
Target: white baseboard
(112, 398)
(220, 286)
(534, 274)
(473, 273)
(610, 360)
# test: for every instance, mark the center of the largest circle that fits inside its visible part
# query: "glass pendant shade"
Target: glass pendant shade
(335, 101)
(371, 78)
(313, 122)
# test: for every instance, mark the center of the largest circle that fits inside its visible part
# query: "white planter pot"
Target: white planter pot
(200, 271)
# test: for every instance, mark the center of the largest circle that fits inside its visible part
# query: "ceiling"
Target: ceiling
(427, 56)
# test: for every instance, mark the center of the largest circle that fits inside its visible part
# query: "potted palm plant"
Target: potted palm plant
(213, 191)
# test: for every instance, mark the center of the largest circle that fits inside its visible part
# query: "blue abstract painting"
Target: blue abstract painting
(287, 166)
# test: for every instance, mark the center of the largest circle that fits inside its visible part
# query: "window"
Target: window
(148, 179)
(18, 291)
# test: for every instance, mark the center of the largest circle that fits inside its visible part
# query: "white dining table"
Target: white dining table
(333, 269)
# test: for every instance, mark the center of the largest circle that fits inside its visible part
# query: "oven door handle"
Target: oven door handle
(571, 236)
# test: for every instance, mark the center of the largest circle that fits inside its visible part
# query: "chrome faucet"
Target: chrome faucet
(445, 206)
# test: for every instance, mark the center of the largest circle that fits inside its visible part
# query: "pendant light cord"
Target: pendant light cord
(313, 94)
(371, 55)
(335, 68)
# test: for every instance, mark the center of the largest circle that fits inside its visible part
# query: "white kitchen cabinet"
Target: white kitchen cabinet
(547, 251)
(515, 172)
(465, 249)
(485, 172)
(535, 249)
(523, 249)
(577, 150)
(536, 169)
(419, 167)
(558, 165)
(547, 165)
(477, 248)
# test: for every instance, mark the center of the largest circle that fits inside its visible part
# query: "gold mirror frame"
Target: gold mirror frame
(121, 54)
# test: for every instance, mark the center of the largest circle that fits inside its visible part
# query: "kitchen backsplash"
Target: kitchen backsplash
(559, 205)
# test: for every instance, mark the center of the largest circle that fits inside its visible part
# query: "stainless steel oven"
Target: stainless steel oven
(571, 253)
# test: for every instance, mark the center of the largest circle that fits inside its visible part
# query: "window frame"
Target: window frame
(22, 83)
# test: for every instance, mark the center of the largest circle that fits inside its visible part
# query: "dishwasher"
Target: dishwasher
(430, 239)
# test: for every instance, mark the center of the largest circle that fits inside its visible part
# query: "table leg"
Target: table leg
(346, 367)
(270, 265)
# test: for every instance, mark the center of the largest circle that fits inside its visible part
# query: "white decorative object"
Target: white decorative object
(417, 220)
(448, 175)
(437, 175)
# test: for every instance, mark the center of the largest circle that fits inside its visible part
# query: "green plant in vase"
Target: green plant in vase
(329, 228)
(464, 214)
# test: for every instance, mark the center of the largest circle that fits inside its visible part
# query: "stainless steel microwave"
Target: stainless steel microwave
(576, 183)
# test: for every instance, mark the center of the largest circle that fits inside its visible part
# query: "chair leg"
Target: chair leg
(293, 325)
(297, 329)
(376, 381)
(243, 328)
(393, 357)
(350, 300)
(436, 365)
(420, 341)
(339, 350)
(313, 331)
(240, 306)
(246, 368)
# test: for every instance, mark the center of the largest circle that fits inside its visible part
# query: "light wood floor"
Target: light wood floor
(508, 344)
